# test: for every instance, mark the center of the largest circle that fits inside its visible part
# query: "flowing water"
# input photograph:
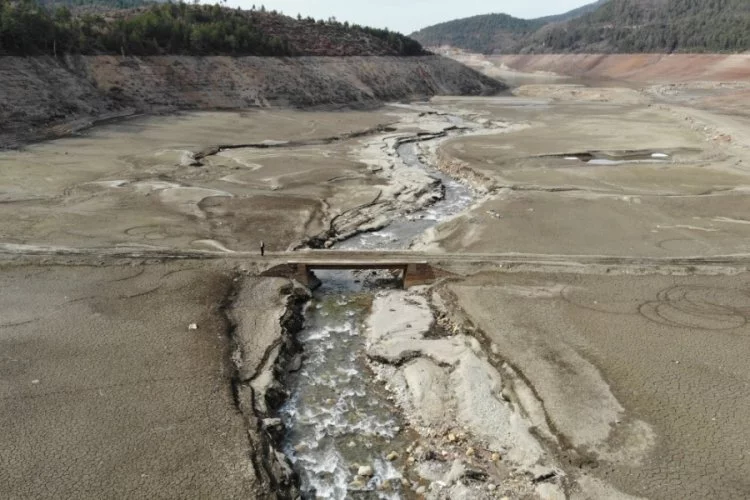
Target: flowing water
(338, 417)
(400, 233)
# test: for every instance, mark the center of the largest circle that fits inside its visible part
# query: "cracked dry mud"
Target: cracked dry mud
(610, 298)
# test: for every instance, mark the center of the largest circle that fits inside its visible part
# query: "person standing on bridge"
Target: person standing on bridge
(262, 248)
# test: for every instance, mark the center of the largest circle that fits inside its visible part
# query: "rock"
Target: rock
(491, 487)
(272, 423)
(457, 472)
(274, 427)
(392, 456)
(470, 452)
(357, 485)
(351, 444)
(451, 438)
(193, 326)
(476, 475)
(365, 471)
(295, 364)
(421, 490)
(496, 457)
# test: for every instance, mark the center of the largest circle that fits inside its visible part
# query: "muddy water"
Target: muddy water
(338, 417)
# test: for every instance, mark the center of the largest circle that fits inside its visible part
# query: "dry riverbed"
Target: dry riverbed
(542, 378)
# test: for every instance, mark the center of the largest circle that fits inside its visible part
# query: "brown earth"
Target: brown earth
(45, 97)
(670, 68)
(106, 392)
(672, 350)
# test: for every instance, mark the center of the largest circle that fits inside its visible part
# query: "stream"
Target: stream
(340, 421)
(400, 233)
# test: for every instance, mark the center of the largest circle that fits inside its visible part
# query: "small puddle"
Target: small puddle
(617, 158)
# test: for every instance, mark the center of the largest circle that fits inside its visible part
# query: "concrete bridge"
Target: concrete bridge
(413, 273)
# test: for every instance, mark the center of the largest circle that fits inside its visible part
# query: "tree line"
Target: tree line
(483, 34)
(28, 28)
(674, 26)
(619, 26)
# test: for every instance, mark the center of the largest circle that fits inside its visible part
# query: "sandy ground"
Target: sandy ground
(130, 183)
(690, 199)
(644, 378)
(635, 374)
(105, 390)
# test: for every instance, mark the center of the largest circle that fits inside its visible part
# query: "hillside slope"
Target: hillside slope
(485, 34)
(608, 26)
(573, 14)
(491, 32)
(634, 26)
(47, 97)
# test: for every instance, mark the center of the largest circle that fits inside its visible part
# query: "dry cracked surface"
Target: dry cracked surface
(107, 392)
(131, 183)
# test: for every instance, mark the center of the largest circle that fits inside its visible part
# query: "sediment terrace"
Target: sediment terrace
(666, 68)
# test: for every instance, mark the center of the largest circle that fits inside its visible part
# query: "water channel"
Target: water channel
(339, 419)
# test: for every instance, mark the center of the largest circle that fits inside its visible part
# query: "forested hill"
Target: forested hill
(28, 28)
(613, 26)
(484, 34)
(571, 14)
(651, 26)
(491, 32)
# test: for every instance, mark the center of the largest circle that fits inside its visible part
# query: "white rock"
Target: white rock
(193, 326)
(365, 471)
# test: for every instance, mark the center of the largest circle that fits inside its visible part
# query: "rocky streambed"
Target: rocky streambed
(394, 399)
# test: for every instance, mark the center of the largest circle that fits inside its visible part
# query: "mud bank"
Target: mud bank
(473, 443)
(264, 316)
(484, 431)
(43, 97)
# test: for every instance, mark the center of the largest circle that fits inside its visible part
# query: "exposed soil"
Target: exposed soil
(45, 97)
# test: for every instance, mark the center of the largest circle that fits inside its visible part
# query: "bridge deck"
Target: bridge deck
(353, 264)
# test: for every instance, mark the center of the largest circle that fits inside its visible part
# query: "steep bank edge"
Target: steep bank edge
(44, 97)
(672, 68)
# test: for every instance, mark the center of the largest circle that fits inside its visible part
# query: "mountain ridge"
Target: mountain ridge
(484, 32)
(606, 26)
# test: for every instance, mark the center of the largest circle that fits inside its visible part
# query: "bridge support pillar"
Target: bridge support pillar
(304, 275)
(418, 274)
